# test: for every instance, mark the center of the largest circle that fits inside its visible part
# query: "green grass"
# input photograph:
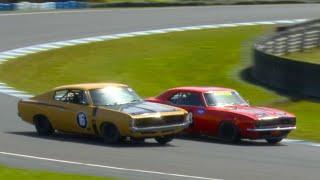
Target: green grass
(309, 55)
(17, 174)
(151, 64)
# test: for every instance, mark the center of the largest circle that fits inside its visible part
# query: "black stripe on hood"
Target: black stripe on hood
(145, 107)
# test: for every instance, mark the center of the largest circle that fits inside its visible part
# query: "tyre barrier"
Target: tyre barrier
(70, 5)
(6, 7)
(276, 71)
(42, 6)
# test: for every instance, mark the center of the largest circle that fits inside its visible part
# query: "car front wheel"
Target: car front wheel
(164, 140)
(228, 132)
(110, 134)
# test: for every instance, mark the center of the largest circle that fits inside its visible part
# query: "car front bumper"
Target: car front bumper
(164, 128)
(272, 129)
(263, 133)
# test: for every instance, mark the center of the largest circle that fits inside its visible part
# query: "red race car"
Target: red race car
(223, 113)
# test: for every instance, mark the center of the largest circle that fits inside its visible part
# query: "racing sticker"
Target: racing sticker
(223, 93)
(82, 119)
(191, 119)
(201, 111)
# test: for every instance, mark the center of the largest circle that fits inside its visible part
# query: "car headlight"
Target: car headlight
(258, 124)
(268, 118)
(189, 118)
(132, 123)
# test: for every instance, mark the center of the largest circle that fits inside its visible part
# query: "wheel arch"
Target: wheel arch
(37, 116)
(226, 121)
(108, 123)
(229, 123)
(119, 119)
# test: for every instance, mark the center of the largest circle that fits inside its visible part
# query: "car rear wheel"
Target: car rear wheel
(164, 140)
(110, 134)
(228, 132)
(273, 140)
(43, 125)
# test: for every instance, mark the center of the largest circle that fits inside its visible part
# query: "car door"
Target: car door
(73, 112)
(192, 102)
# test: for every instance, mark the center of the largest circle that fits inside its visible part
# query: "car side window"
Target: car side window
(175, 98)
(186, 98)
(60, 95)
(71, 96)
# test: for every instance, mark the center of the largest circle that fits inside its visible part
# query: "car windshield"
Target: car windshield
(224, 98)
(112, 96)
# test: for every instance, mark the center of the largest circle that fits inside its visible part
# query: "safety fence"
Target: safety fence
(273, 69)
(292, 38)
(42, 6)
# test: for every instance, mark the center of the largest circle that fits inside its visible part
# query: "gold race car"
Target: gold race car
(112, 111)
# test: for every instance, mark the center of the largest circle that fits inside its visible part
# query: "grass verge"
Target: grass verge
(152, 64)
(15, 174)
(309, 55)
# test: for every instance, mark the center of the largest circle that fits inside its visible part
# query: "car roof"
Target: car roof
(88, 86)
(202, 88)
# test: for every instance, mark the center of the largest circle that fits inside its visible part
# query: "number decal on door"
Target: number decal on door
(82, 119)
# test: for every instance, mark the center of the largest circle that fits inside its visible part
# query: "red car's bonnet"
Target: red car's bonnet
(253, 112)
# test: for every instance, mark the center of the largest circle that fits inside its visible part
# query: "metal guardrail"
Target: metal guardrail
(274, 70)
(293, 38)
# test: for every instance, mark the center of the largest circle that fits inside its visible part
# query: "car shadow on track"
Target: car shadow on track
(90, 140)
(206, 139)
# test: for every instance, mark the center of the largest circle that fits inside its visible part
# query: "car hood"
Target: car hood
(145, 107)
(261, 113)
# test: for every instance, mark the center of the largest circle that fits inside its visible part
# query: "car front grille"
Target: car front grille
(162, 121)
(284, 121)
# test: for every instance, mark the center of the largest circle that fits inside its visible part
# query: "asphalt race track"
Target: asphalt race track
(201, 158)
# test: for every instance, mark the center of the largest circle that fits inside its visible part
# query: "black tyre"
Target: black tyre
(228, 132)
(273, 140)
(43, 125)
(164, 140)
(123, 139)
(138, 140)
(110, 134)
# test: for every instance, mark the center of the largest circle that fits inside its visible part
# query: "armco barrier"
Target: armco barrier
(292, 38)
(282, 73)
